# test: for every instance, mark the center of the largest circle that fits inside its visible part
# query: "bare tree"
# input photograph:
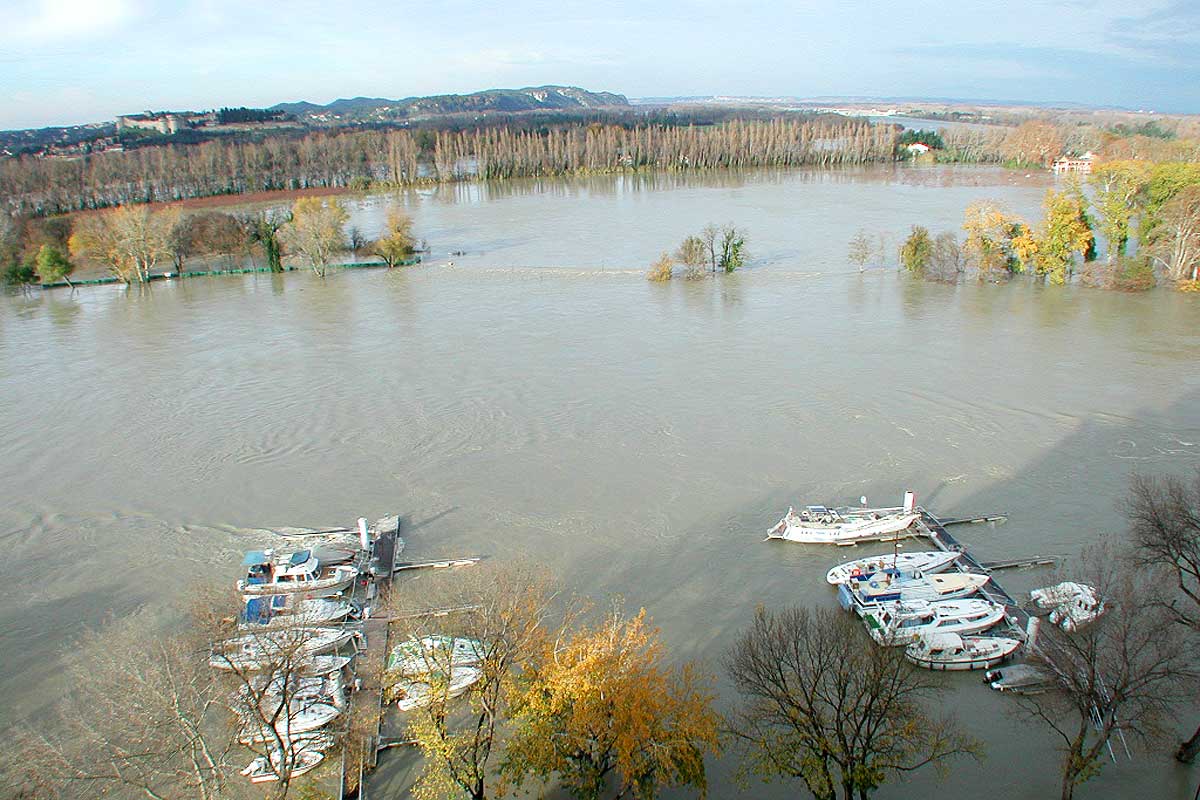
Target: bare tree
(147, 716)
(506, 612)
(860, 249)
(825, 706)
(130, 240)
(710, 236)
(1164, 521)
(693, 255)
(1115, 680)
(1175, 242)
(946, 261)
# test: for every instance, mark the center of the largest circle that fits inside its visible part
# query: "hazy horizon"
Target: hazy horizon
(80, 61)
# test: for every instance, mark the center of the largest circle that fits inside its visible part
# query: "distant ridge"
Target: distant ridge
(530, 98)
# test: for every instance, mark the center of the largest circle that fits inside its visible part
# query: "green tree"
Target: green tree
(396, 244)
(1116, 186)
(1063, 233)
(315, 231)
(733, 245)
(53, 265)
(264, 229)
(916, 251)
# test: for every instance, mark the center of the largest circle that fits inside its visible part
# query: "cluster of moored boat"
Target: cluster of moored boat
(288, 654)
(927, 602)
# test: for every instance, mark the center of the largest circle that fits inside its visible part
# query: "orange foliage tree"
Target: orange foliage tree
(602, 706)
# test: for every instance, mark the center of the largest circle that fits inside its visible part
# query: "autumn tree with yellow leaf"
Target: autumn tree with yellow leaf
(315, 231)
(1063, 233)
(129, 240)
(604, 712)
(990, 234)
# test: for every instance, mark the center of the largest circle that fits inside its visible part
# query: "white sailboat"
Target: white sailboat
(823, 525)
(927, 562)
(896, 624)
(952, 651)
(285, 611)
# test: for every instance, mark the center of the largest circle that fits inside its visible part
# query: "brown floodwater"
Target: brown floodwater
(541, 399)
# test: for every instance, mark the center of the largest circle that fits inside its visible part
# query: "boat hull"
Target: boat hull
(849, 532)
(928, 562)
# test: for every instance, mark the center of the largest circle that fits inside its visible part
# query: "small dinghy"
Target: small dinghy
(1018, 679)
(889, 586)
(897, 624)
(823, 525)
(294, 573)
(927, 562)
(434, 654)
(1074, 604)
(260, 770)
(950, 651)
(260, 650)
(284, 611)
(413, 693)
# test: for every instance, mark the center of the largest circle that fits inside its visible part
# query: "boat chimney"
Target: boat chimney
(364, 536)
(910, 502)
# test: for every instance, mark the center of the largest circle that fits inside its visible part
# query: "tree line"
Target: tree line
(1147, 213)
(403, 157)
(131, 242)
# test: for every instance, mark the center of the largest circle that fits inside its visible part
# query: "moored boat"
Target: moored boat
(307, 717)
(1018, 679)
(824, 525)
(889, 586)
(434, 653)
(927, 562)
(413, 693)
(293, 573)
(1074, 604)
(897, 623)
(951, 651)
(283, 611)
(262, 649)
(299, 762)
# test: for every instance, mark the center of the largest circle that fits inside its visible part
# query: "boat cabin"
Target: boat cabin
(298, 568)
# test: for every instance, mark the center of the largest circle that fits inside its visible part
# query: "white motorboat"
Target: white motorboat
(823, 525)
(285, 611)
(889, 586)
(1018, 679)
(263, 649)
(950, 651)
(262, 770)
(293, 573)
(897, 623)
(1074, 604)
(413, 693)
(927, 562)
(302, 691)
(434, 654)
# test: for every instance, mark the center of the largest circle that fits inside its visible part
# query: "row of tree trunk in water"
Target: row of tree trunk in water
(400, 157)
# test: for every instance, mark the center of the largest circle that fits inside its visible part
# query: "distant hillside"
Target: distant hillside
(532, 98)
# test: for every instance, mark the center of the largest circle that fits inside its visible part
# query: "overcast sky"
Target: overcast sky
(73, 61)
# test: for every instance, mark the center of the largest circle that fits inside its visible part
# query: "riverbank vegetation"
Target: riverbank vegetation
(133, 242)
(1147, 214)
(715, 249)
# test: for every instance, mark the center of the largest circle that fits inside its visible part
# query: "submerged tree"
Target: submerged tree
(990, 234)
(732, 250)
(860, 249)
(396, 244)
(662, 269)
(53, 265)
(1115, 680)
(1063, 234)
(825, 706)
(1174, 243)
(315, 231)
(264, 229)
(916, 251)
(1116, 186)
(693, 255)
(130, 240)
(601, 707)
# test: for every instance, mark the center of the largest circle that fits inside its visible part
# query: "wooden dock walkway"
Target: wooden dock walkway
(931, 527)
